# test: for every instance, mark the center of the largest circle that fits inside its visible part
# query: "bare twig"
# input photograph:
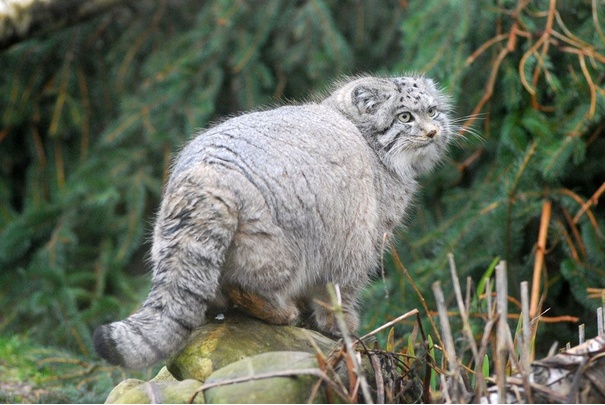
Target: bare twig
(501, 343)
(539, 262)
(323, 359)
(334, 292)
(466, 326)
(595, 19)
(379, 379)
(485, 46)
(525, 335)
(489, 88)
(450, 349)
(488, 296)
(389, 324)
(400, 266)
(282, 373)
(591, 86)
(444, 390)
(591, 201)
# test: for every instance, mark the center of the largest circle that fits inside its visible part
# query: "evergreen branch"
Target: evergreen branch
(571, 38)
(593, 200)
(568, 240)
(524, 165)
(59, 163)
(591, 86)
(588, 51)
(39, 147)
(271, 10)
(138, 43)
(489, 88)
(582, 203)
(576, 236)
(85, 98)
(540, 67)
(469, 160)
(487, 44)
(133, 118)
(62, 96)
(595, 19)
(23, 19)
(532, 51)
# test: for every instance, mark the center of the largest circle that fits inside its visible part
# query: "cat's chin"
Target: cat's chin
(414, 163)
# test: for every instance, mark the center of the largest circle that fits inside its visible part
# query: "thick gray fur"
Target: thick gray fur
(281, 202)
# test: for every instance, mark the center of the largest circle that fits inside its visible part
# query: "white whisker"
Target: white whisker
(463, 131)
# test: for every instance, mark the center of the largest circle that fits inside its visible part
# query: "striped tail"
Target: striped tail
(192, 235)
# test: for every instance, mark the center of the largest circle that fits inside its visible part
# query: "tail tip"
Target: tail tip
(105, 345)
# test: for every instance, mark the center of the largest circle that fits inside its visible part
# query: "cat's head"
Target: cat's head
(405, 119)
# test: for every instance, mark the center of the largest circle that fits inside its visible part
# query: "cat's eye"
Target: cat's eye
(432, 111)
(405, 117)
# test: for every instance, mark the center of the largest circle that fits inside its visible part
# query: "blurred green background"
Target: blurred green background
(91, 116)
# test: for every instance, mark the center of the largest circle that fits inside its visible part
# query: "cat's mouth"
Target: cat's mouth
(424, 143)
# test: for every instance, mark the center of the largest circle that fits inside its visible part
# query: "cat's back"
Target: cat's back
(308, 137)
(307, 167)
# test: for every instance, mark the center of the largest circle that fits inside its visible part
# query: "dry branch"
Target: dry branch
(540, 251)
(574, 376)
(23, 19)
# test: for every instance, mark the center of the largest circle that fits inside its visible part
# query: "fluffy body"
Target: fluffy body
(264, 209)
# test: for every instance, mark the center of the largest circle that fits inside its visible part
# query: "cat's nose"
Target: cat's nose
(431, 133)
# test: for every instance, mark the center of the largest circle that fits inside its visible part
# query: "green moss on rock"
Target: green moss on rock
(220, 343)
(154, 392)
(261, 388)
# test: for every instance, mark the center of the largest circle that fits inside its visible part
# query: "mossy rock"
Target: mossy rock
(257, 386)
(117, 394)
(163, 375)
(220, 343)
(225, 345)
(133, 391)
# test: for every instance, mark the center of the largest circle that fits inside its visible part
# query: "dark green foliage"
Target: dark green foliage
(92, 115)
(534, 149)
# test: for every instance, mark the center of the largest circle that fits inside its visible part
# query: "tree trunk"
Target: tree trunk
(22, 19)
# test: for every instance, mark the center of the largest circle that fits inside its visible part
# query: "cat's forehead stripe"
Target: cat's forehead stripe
(415, 96)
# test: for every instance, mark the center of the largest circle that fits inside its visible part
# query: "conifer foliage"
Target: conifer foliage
(526, 179)
(91, 116)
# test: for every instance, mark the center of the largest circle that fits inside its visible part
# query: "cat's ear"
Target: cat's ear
(367, 98)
